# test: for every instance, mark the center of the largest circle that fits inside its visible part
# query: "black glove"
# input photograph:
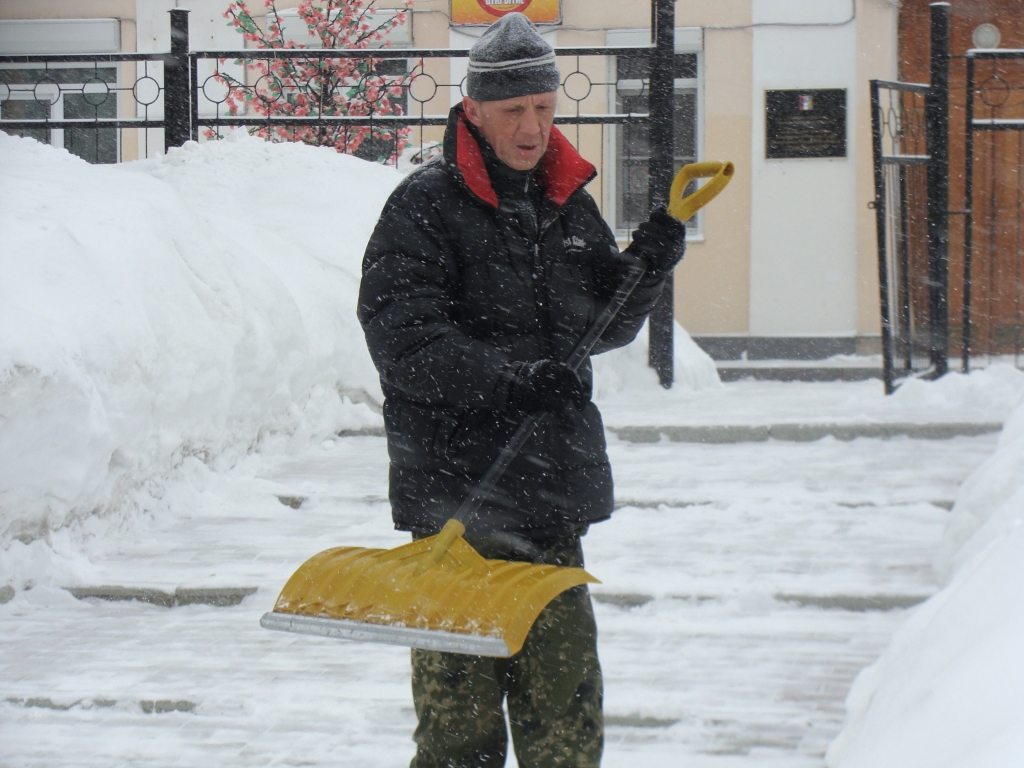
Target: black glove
(545, 385)
(660, 241)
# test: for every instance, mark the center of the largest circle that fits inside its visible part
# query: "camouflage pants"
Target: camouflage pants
(553, 689)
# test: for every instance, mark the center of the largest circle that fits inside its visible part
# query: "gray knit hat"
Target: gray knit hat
(511, 59)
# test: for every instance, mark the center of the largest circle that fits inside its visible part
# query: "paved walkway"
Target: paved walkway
(740, 591)
(761, 560)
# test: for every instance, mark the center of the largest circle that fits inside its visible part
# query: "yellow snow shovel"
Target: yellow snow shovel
(438, 593)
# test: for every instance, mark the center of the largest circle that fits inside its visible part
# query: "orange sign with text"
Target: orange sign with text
(484, 12)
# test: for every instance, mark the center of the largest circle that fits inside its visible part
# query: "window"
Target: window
(64, 93)
(627, 196)
(632, 144)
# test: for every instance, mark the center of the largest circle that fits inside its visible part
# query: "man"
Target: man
(485, 269)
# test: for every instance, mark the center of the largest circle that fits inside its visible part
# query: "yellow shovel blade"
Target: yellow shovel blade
(438, 586)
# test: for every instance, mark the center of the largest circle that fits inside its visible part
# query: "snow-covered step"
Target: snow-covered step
(984, 397)
(215, 596)
(858, 603)
(148, 706)
(746, 433)
(743, 433)
(786, 371)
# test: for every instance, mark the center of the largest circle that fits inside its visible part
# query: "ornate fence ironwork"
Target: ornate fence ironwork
(423, 102)
(104, 107)
(84, 103)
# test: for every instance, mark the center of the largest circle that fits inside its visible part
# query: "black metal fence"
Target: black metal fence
(390, 102)
(103, 107)
(982, 317)
(993, 284)
(910, 148)
(114, 107)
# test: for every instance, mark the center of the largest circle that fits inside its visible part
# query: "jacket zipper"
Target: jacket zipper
(559, 482)
(540, 285)
(542, 228)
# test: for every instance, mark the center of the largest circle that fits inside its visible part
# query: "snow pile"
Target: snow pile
(624, 373)
(949, 690)
(194, 305)
(973, 396)
(985, 504)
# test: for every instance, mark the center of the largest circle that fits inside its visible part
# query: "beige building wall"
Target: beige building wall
(67, 9)
(122, 10)
(876, 59)
(713, 282)
(430, 30)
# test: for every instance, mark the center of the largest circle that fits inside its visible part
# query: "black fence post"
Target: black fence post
(193, 94)
(883, 256)
(965, 337)
(937, 119)
(177, 99)
(662, 88)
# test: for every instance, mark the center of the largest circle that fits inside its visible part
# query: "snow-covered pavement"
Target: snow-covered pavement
(731, 609)
(171, 362)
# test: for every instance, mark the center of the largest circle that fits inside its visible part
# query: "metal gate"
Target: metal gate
(993, 283)
(911, 151)
(901, 213)
(910, 148)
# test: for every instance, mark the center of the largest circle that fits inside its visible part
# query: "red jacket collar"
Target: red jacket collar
(562, 169)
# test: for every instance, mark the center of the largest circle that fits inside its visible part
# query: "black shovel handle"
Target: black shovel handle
(583, 348)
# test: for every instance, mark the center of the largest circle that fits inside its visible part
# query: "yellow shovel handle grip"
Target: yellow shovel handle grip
(684, 208)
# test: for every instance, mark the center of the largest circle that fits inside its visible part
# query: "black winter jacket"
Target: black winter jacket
(455, 286)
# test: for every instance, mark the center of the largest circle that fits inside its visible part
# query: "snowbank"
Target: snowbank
(193, 305)
(949, 690)
(984, 509)
(988, 393)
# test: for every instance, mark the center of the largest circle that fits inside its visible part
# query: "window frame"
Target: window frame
(689, 40)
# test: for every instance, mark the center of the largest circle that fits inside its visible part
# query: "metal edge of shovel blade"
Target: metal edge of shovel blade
(346, 629)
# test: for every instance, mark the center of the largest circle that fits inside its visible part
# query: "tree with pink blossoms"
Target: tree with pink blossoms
(318, 86)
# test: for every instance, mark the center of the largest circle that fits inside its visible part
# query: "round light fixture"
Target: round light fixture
(985, 36)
